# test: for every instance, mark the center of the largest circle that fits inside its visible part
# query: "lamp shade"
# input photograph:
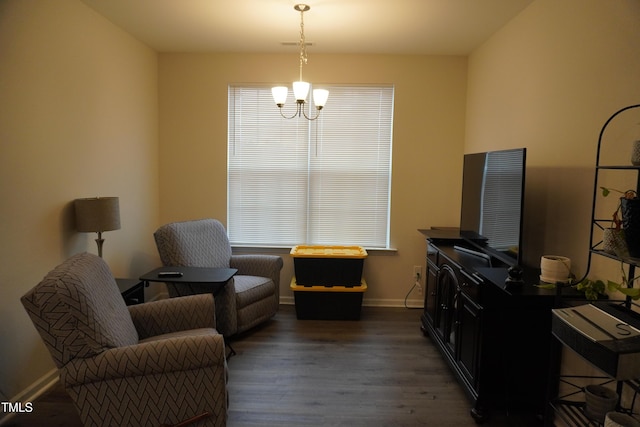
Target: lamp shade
(97, 214)
(320, 97)
(300, 90)
(279, 94)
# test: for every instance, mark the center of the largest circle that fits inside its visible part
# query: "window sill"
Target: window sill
(287, 249)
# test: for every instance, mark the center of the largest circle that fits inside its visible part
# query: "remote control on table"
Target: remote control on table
(169, 274)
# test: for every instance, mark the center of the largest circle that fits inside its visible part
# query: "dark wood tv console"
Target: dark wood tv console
(496, 340)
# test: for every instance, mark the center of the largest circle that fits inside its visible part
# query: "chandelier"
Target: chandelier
(300, 88)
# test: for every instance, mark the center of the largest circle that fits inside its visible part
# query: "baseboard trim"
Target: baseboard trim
(391, 303)
(395, 303)
(367, 302)
(31, 393)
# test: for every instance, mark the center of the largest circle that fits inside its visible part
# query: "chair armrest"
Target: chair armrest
(173, 315)
(155, 357)
(258, 265)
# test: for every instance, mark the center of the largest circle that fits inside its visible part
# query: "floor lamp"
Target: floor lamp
(97, 214)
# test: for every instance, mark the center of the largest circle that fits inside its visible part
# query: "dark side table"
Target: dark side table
(132, 290)
(216, 278)
(213, 278)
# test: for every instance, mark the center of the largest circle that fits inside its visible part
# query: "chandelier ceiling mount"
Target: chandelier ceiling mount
(300, 88)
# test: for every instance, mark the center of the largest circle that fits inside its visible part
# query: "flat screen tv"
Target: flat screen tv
(493, 201)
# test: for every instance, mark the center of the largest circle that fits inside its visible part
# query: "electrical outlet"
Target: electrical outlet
(417, 273)
(417, 277)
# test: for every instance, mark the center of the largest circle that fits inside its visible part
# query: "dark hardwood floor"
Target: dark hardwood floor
(378, 371)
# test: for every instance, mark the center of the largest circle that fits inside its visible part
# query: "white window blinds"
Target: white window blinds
(316, 182)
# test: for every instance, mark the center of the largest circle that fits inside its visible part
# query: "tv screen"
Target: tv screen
(492, 202)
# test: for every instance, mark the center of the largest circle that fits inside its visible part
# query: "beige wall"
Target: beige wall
(427, 144)
(548, 81)
(78, 118)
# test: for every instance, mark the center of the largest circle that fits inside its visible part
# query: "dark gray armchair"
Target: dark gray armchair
(250, 298)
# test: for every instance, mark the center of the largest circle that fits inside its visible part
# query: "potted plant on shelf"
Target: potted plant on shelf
(593, 289)
(627, 214)
(613, 240)
(626, 287)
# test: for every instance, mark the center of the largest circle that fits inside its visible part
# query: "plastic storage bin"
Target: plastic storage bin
(328, 265)
(328, 302)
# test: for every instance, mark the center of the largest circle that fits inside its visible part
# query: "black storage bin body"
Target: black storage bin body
(328, 302)
(328, 271)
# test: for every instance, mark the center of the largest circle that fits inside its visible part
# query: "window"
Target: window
(321, 182)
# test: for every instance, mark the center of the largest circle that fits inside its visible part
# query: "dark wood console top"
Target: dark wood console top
(442, 233)
(444, 239)
(530, 288)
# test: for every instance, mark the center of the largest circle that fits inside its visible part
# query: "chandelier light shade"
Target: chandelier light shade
(280, 95)
(300, 88)
(96, 215)
(320, 97)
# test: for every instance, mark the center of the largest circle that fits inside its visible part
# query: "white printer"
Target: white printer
(606, 334)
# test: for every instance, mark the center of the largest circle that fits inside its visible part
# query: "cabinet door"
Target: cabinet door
(446, 301)
(431, 294)
(468, 324)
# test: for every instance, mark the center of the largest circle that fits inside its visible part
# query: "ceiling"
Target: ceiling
(437, 27)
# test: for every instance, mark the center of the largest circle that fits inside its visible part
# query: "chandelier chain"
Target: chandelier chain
(302, 43)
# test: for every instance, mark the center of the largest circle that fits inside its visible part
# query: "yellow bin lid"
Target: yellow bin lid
(320, 251)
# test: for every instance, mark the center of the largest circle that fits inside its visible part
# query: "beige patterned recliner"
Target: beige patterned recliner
(249, 298)
(150, 364)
